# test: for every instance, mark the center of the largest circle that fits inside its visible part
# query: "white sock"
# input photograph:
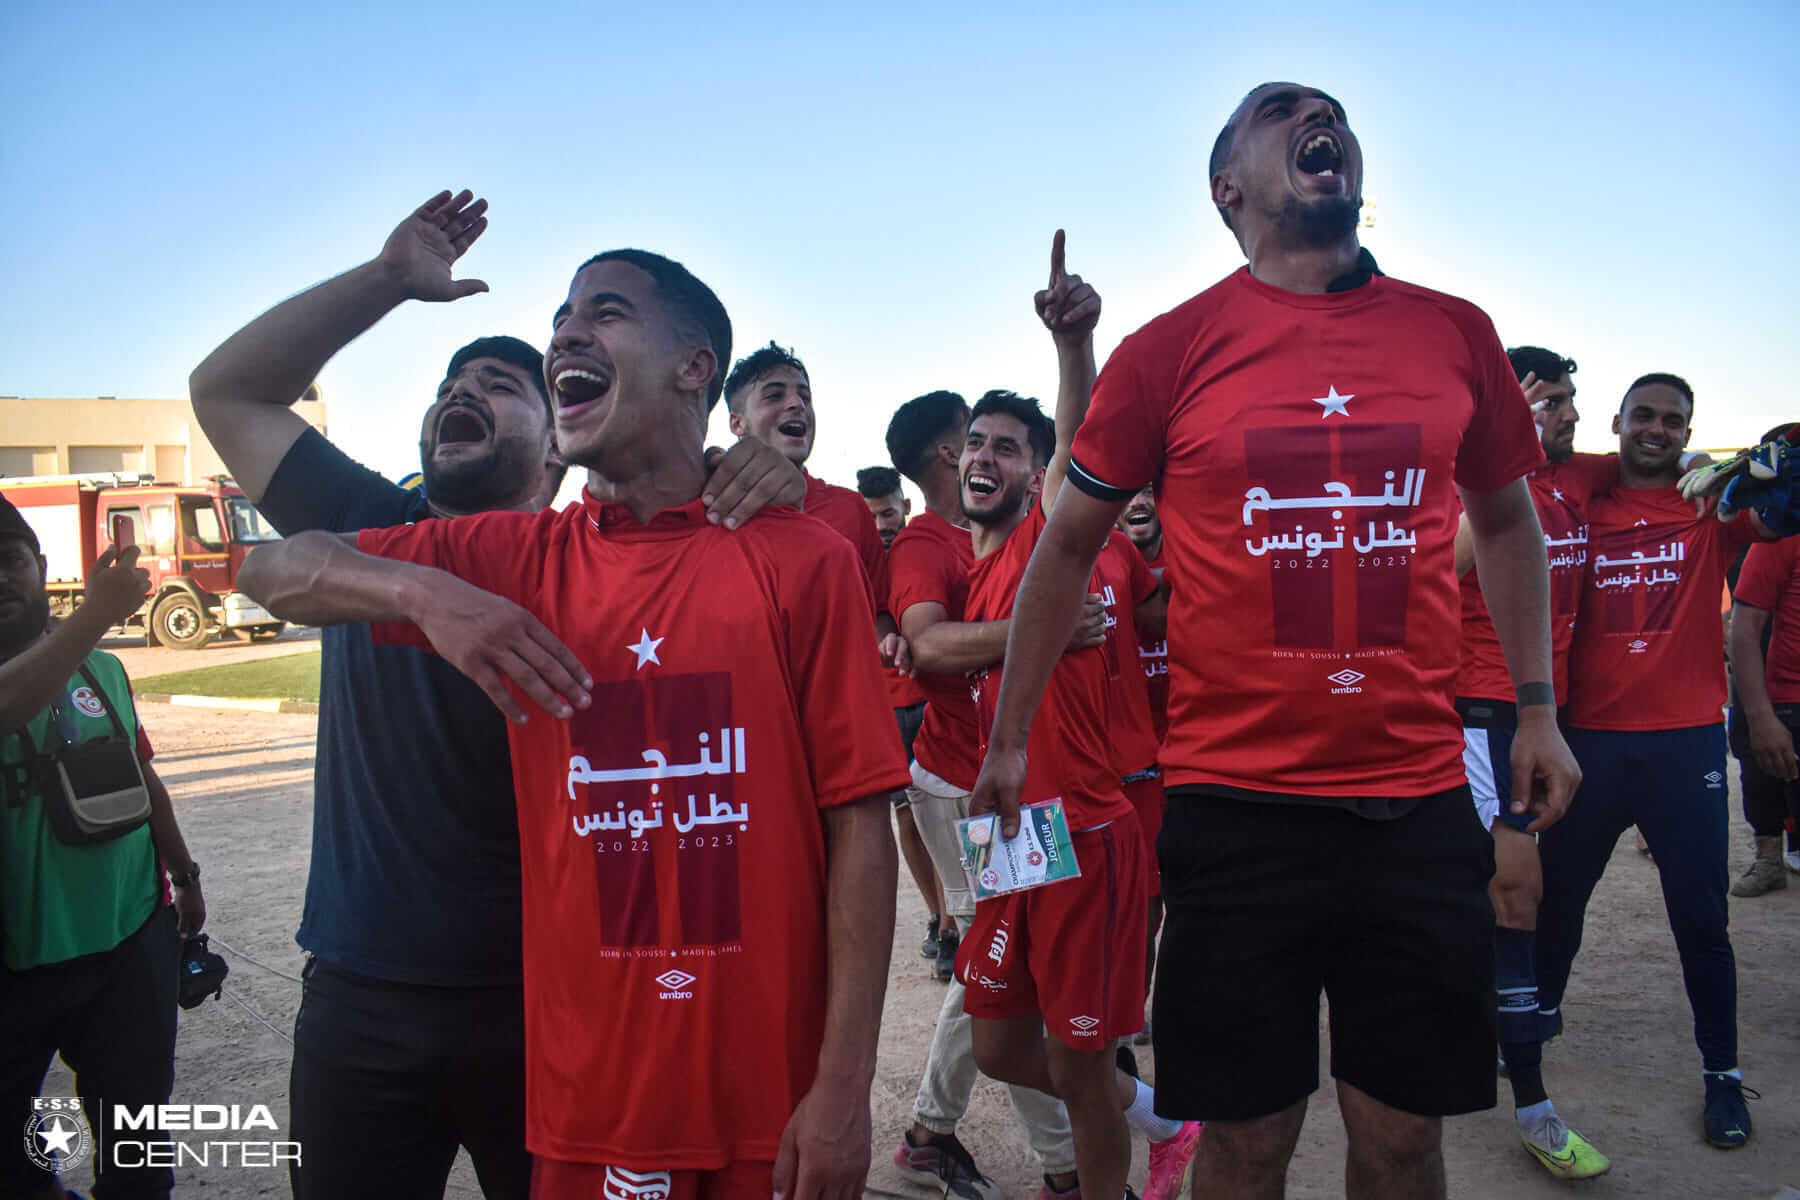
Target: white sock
(1140, 1114)
(1531, 1114)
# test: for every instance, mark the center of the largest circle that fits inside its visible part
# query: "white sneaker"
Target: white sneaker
(1792, 859)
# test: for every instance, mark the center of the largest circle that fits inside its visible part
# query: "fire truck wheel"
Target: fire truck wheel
(180, 622)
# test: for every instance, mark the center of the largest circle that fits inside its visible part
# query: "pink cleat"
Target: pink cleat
(1169, 1163)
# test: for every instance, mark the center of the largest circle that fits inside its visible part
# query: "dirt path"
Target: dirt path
(1626, 1074)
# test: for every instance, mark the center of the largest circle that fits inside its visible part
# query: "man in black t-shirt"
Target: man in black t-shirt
(411, 1022)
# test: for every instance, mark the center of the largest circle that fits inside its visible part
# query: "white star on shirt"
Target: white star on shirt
(1556, 493)
(646, 649)
(58, 1138)
(1334, 403)
(1639, 521)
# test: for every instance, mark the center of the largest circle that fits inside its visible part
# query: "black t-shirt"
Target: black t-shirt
(415, 855)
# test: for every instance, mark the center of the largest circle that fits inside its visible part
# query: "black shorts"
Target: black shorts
(910, 718)
(1269, 903)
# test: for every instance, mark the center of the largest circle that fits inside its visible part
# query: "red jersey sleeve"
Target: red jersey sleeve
(1502, 442)
(1596, 472)
(496, 552)
(853, 747)
(1765, 575)
(1121, 445)
(145, 751)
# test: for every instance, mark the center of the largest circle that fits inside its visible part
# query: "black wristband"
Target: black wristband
(1535, 693)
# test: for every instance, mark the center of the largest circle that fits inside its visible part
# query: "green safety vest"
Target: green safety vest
(59, 902)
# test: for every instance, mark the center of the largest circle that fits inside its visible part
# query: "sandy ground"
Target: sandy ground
(1626, 1074)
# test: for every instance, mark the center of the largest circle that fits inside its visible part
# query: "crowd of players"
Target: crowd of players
(1304, 608)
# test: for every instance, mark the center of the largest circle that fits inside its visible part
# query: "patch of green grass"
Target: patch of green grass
(286, 677)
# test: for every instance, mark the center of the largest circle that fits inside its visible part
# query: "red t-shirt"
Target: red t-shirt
(1125, 583)
(847, 512)
(1769, 581)
(1649, 648)
(670, 835)
(1561, 493)
(1154, 658)
(929, 564)
(1070, 750)
(1305, 449)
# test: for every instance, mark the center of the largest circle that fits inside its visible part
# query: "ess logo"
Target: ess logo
(1084, 1026)
(1346, 681)
(1714, 779)
(56, 1134)
(621, 1184)
(87, 702)
(1637, 647)
(676, 983)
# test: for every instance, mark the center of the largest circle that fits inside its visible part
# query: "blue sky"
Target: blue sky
(877, 187)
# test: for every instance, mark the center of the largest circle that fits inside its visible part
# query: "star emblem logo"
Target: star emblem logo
(58, 1137)
(645, 649)
(1334, 403)
(1639, 521)
(1556, 493)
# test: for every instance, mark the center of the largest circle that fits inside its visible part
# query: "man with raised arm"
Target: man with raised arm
(412, 1015)
(89, 929)
(709, 876)
(1309, 423)
(1054, 976)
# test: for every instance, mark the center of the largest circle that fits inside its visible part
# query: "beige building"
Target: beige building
(44, 436)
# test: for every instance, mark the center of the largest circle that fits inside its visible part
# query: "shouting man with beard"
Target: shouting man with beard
(1305, 420)
(412, 1018)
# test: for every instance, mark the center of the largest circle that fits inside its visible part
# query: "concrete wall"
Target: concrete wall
(57, 436)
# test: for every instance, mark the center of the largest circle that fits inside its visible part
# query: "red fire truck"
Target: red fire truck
(191, 538)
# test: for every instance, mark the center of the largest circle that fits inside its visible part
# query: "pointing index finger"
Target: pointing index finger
(1056, 259)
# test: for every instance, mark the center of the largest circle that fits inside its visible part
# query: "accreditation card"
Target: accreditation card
(1041, 852)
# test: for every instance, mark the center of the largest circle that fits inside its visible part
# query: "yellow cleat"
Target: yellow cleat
(1568, 1156)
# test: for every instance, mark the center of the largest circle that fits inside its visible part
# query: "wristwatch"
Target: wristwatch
(185, 880)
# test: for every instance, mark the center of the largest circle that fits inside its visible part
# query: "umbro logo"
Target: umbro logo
(1084, 1026)
(676, 985)
(1637, 647)
(1346, 681)
(1714, 779)
(621, 1184)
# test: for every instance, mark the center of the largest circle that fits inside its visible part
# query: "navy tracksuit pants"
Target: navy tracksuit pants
(1671, 785)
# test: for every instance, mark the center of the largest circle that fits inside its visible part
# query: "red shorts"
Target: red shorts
(558, 1179)
(1072, 952)
(1146, 796)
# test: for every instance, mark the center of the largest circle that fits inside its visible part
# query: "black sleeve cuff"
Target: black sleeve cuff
(1086, 481)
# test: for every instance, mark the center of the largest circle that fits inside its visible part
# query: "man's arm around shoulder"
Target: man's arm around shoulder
(323, 579)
